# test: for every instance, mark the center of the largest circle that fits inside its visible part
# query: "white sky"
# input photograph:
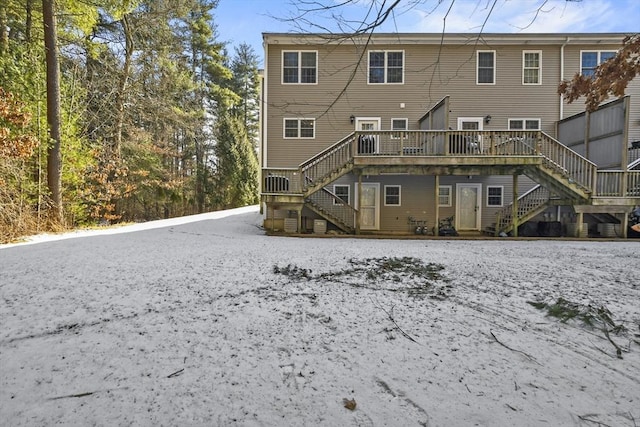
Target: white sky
(245, 20)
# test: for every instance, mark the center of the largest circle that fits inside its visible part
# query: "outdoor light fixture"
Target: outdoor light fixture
(487, 118)
(352, 118)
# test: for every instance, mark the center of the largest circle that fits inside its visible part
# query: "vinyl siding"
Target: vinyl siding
(418, 197)
(572, 66)
(425, 83)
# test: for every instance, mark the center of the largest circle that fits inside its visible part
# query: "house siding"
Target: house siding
(426, 81)
(432, 72)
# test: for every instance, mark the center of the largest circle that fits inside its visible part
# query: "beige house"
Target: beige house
(392, 133)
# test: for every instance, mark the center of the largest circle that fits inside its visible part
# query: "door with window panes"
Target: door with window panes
(367, 143)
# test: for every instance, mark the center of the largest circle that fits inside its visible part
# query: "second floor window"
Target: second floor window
(524, 124)
(386, 67)
(531, 67)
(299, 67)
(299, 128)
(486, 72)
(591, 59)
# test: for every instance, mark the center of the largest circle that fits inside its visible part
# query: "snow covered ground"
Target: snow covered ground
(207, 321)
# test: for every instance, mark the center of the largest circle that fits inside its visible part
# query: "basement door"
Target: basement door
(369, 202)
(468, 204)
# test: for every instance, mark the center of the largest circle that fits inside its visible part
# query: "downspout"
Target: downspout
(558, 209)
(263, 124)
(263, 103)
(562, 75)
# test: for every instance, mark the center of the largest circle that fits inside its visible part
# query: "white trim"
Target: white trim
(357, 121)
(384, 195)
(539, 52)
(479, 120)
(263, 108)
(335, 202)
(406, 123)
(299, 52)
(495, 66)
(299, 119)
(377, 207)
(501, 187)
(478, 211)
(406, 127)
(524, 122)
(599, 57)
(386, 66)
(450, 196)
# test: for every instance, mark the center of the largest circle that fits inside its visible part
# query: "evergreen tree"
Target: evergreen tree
(236, 165)
(246, 83)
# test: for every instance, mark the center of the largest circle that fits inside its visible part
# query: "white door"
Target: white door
(369, 202)
(472, 143)
(367, 144)
(468, 206)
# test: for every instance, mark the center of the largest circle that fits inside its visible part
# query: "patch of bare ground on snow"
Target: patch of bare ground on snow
(214, 323)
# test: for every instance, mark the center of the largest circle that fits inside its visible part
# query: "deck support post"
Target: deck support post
(625, 225)
(359, 213)
(580, 221)
(436, 228)
(514, 206)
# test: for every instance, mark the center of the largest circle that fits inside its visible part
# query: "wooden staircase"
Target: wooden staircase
(329, 206)
(558, 169)
(530, 204)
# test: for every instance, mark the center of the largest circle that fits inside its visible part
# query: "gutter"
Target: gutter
(562, 75)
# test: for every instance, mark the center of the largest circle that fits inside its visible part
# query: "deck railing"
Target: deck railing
(610, 184)
(327, 162)
(576, 168)
(313, 172)
(281, 181)
(334, 206)
(527, 203)
(445, 143)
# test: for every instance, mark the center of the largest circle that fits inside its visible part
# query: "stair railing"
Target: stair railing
(527, 203)
(334, 206)
(327, 162)
(561, 159)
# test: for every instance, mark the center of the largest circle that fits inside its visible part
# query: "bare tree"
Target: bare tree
(331, 18)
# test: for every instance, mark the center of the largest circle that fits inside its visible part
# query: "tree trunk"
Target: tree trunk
(4, 34)
(29, 21)
(54, 160)
(122, 84)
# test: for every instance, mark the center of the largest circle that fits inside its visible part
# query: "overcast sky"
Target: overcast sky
(245, 20)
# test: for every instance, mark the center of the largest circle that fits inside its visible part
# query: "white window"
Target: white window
(398, 125)
(531, 67)
(386, 67)
(342, 191)
(299, 128)
(444, 195)
(486, 70)
(524, 124)
(392, 195)
(299, 67)
(589, 60)
(494, 196)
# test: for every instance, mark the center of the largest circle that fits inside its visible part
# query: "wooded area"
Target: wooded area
(121, 110)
